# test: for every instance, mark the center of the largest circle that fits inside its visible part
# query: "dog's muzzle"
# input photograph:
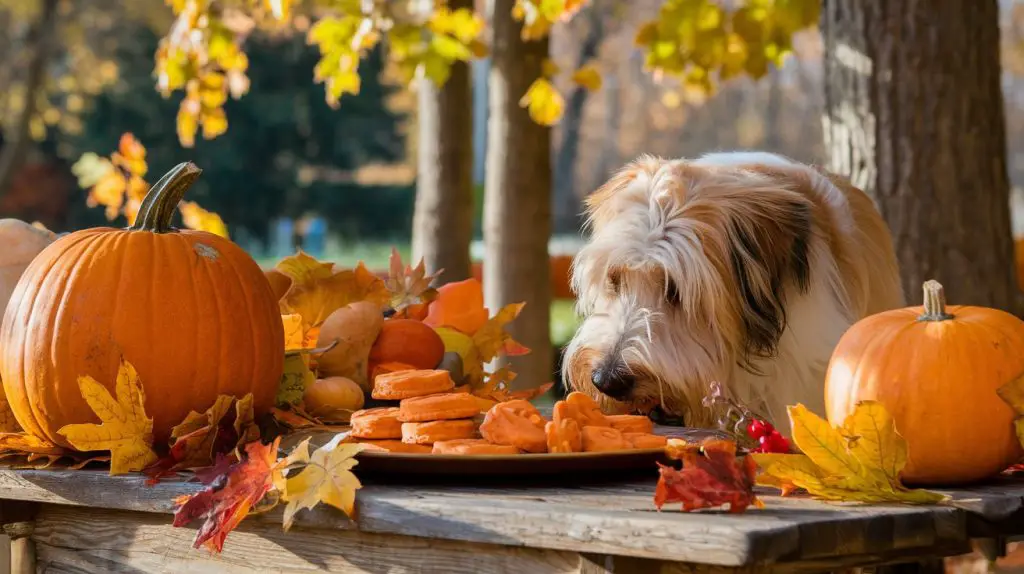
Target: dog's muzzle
(613, 379)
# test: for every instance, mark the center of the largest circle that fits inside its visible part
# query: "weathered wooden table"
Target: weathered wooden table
(87, 521)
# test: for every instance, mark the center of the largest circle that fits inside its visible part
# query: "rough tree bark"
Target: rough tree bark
(443, 215)
(16, 143)
(568, 207)
(517, 196)
(914, 115)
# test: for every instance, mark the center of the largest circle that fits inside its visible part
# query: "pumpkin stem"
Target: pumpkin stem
(934, 302)
(162, 199)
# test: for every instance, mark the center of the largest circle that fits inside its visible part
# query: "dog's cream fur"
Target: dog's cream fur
(737, 268)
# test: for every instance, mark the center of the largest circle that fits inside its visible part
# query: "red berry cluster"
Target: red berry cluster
(768, 439)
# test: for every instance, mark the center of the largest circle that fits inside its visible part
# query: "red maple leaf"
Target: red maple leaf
(711, 477)
(228, 500)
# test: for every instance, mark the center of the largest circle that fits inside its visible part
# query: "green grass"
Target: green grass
(376, 254)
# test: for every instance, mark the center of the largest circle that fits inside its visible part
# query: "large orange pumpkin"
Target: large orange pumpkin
(190, 310)
(936, 370)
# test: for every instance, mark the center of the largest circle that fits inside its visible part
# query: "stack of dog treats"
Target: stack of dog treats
(431, 416)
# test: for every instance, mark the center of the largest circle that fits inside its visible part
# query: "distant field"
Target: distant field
(375, 255)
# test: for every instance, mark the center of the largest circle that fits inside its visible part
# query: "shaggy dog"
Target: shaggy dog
(737, 268)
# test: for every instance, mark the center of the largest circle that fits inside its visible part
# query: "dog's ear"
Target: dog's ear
(600, 208)
(768, 250)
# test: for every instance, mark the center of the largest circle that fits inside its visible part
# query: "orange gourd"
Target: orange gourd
(407, 341)
(936, 370)
(190, 310)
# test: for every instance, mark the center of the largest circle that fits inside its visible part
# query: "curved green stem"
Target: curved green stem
(934, 302)
(158, 206)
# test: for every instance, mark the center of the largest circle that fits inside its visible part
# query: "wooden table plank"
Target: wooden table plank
(615, 519)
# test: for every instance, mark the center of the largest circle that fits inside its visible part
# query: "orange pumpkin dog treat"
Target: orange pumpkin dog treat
(395, 446)
(645, 440)
(582, 408)
(445, 406)
(472, 446)
(603, 439)
(437, 431)
(407, 384)
(564, 436)
(379, 423)
(525, 409)
(631, 423)
(515, 423)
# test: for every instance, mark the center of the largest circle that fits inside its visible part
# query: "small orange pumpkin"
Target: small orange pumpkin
(190, 310)
(936, 370)
(407, 341)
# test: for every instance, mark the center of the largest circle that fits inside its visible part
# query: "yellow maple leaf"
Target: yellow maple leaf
(859, 461)
(293, 332)
(124, 430)
(195, 217)
(327, 477)
(589, 77)
(1013, 394)
(543, 102)
(492, 339)
(317, 289)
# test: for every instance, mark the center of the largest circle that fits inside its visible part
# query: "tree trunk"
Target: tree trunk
(568, 211)
(914, 115)
(38, 40)
(517, 197)
(443, 216)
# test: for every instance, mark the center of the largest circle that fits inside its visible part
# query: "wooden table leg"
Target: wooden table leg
(18, 522)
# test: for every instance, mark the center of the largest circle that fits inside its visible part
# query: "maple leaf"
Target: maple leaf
(1013, 394)
(711, 476)
(860, 461)
(327, 477)
(124, 430)
(492, 339)
(201, 437)
(231, 496)
(317, 289)
(408, 286)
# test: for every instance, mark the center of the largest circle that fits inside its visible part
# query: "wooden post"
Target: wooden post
(18, 521)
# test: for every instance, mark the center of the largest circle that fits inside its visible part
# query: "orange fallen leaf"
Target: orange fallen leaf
(711, 476)
(491, 339)
(38, 453)
(232, 496)
(124, 430)
(460, 306)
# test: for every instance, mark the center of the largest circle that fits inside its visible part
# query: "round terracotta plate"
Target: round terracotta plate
(378, 462)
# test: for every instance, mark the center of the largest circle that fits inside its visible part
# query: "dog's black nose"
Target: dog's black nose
(615, 382)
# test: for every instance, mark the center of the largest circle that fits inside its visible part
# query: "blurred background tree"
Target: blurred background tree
(364, 113)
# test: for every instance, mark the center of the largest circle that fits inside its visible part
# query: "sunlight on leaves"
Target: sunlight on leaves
(124, 428)
(861, 461)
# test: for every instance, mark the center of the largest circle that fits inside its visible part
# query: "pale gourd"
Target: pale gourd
(334, 399)
(355, 328)
(20, 242)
